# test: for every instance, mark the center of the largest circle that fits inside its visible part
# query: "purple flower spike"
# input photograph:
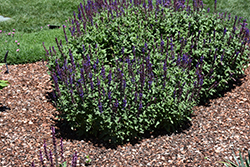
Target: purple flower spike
(165, 66)
(136, 96)
(215, 2)
(123, 50)
(208, 10)
(222, 56)
(91, 84)
(116, 103)
(162, 43)
(61, 144)
(124, 84)
(235, 20)
(41, 157)
(229, 16)
(54, 144)
(124, 102)
(140, 106)
(90, 75)
(103, 73)
(51, 159)
(109, 77)
(201, 81)
(109, 95)
(65, 34)
(94, 66)
(74, 159)
(239, 20)
(225, 30)
(140, 95)
(45, 150)
(146, 45)
(100, 106)
(98, 81)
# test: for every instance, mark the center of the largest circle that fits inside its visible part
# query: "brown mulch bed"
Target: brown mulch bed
(27, 114)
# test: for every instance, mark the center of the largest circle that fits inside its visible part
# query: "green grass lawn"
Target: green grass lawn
(30, 23)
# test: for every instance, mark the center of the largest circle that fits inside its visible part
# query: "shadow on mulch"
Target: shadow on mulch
(232, 85)
(65, 132)
(63, 129)
(3, 108)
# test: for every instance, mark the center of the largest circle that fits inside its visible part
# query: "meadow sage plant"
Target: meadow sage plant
(130, 67)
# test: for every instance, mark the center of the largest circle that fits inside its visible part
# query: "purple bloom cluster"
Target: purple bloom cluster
(49, 156)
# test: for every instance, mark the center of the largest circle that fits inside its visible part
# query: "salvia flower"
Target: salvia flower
(124, 102)
(74, 160)
(165, 66)
(90, 75)
(103, 91)
(103, 72)
(235, 20)
(109, 95)
(61, 144)
(201, 81)
(45, 150)
(116, 103)
(225, 30)
(91, 84)
(124, 84)
(222, 56)
(136, 96)
(140, 105)
(98, 81)
(109, 77)
(41, 157)
(140, 95)
(162, 43)
(215, 2)
(100, 106)
(122, 50)
(54, 144)
(51, 158)
(229, 16)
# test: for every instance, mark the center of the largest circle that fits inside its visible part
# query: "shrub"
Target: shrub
(133, 67)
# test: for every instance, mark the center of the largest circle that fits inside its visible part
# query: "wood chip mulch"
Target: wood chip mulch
(26, 115)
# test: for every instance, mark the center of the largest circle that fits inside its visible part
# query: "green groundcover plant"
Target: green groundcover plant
(240, 163)
(131, 67)
(3, 83)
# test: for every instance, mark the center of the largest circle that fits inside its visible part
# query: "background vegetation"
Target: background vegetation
(30, 25)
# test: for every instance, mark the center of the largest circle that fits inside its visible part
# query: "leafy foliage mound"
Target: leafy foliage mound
(131, 67)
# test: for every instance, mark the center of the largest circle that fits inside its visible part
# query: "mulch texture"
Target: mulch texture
(26, 115)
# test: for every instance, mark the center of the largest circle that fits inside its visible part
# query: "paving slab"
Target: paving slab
(2, 18)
